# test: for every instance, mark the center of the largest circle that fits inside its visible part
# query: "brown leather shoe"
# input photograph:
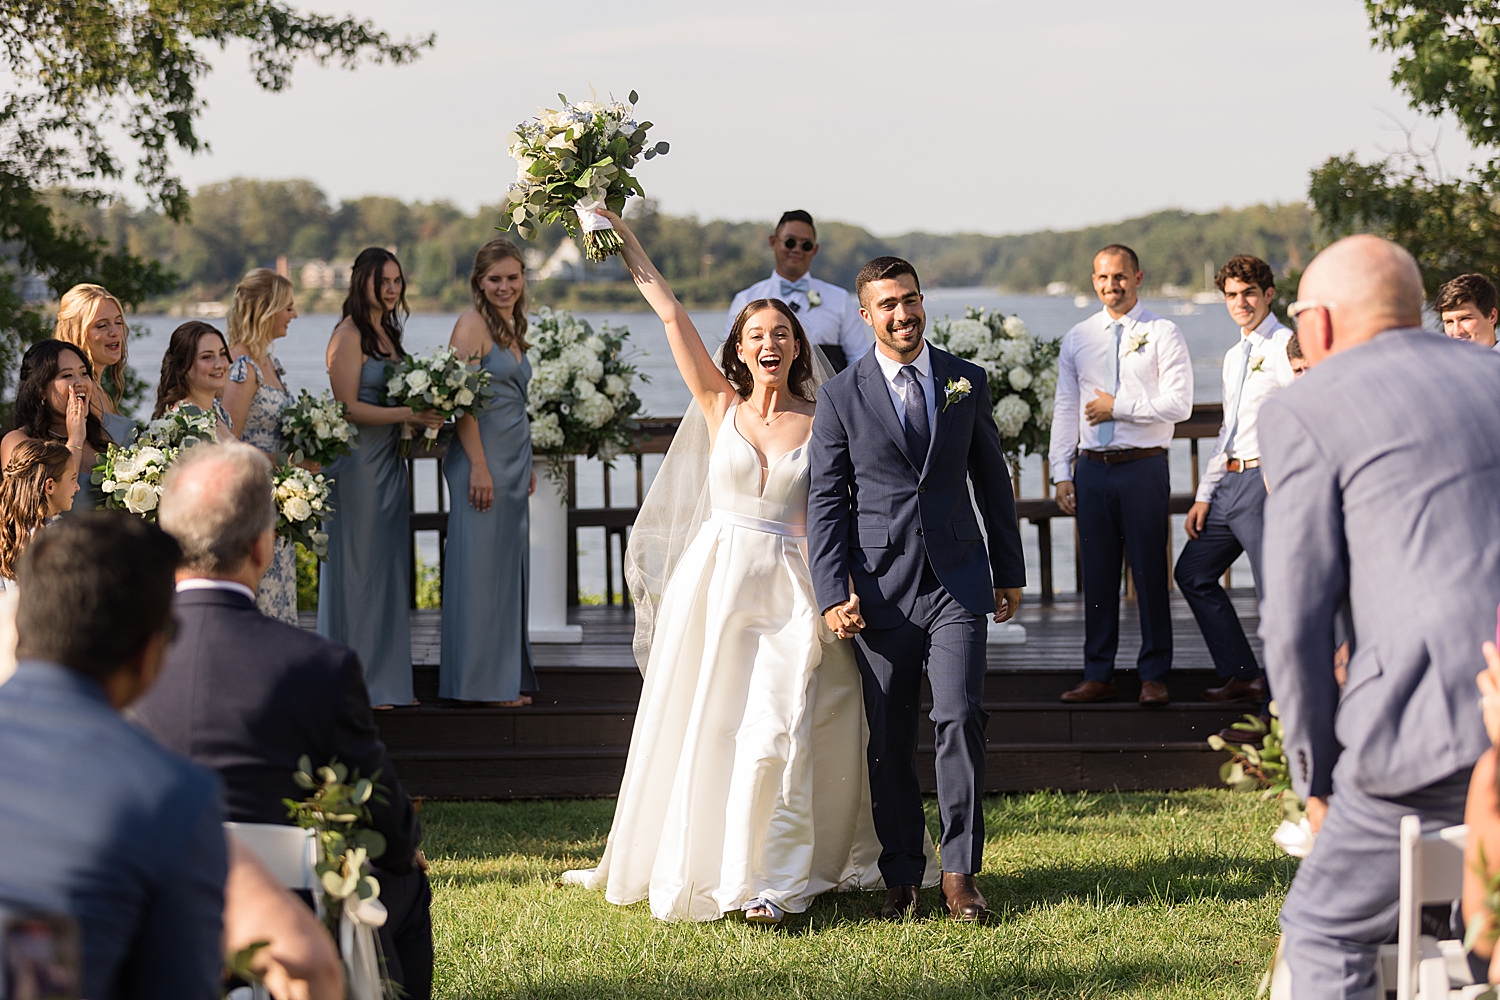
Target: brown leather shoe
(1091, 691)
(1243, 692)
(1154, 693)
(899, 901)
(962, 897)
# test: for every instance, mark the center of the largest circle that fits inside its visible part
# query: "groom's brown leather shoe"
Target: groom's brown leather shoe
(899, 901)
(962, 897)
(1092, 691)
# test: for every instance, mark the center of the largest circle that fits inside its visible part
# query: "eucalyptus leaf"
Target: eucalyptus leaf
(633, 97)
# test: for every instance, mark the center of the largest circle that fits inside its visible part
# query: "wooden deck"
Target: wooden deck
(572, 742)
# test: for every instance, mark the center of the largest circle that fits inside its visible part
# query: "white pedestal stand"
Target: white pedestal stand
(1006, 634)
(548, 588)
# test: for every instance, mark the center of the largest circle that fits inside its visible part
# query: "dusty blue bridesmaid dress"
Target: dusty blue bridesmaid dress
(119, 429)
(364, 589)
(486, 653)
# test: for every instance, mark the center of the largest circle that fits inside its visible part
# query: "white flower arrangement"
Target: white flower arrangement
(1137, 342)
(581, 398)
(1022, 373)
(441, 381)
(573, 162)
(317, 429)
(956, 392)
(302, 504)
(130, 476)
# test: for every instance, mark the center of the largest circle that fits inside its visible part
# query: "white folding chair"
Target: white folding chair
(291, 853)
(1432, 871)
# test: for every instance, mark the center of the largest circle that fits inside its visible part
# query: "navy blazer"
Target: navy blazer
(246, 695)
(99, 822)
(878, 514)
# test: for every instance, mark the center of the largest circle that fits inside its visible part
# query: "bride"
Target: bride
(746, 786)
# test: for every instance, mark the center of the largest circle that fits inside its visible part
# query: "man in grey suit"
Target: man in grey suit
(1384, 477)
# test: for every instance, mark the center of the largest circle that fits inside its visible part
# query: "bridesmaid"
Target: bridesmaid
(486, 656)
(193, 373)
(52, 404)
(92, 320)
(254, 398)
(364, 589)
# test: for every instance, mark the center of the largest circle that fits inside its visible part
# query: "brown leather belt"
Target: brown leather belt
(1240, 465)
(1119, 456)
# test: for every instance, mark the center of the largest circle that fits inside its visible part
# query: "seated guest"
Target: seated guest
(298, 960)
(51, 404)
(39, 484)
(1294, 356)
(1482, 814)
(97, 820)
(193, 373)
(246, 695)
(829, 314)
(1468, 309)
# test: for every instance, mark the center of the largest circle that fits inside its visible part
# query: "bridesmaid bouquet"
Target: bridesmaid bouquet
(1022, 374)
(317, 429)
(301, 506)
(184, 426)
(573, 162)
(130, 476)
(440, 381)
(581, 399)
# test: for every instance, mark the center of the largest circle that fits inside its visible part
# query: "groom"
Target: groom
(896, 439)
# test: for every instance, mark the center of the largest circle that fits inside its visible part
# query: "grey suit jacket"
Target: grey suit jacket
(1384, 470)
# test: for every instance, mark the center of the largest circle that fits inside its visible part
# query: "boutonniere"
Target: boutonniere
(1257, 363)
(813, 298)
(1136, 343)
(956, 392)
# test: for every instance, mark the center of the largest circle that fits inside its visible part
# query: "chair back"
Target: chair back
(289, 851)
(1432, 871)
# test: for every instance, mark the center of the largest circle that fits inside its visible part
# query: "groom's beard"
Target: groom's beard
(904, 337)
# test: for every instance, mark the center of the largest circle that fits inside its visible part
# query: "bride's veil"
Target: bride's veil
(674, 509)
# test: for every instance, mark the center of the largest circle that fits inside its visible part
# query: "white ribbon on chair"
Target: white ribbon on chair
(360, 948)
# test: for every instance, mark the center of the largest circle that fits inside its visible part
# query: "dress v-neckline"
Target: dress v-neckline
(770, 466)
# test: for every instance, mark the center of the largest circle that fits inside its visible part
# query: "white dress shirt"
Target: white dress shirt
(1155, 393)
(896, 383)
(835, 320)
(208, 583)
(1262, 352)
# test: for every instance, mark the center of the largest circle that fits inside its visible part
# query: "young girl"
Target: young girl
(39, 484)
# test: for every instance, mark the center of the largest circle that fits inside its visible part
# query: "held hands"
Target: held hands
(1067, 500)
(1101, 408)
(1197, 515)
(431, 419)
(77, 419)
(1007, 603)
(481, 487)
(844, 620)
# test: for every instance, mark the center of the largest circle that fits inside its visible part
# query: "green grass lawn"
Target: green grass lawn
(1095, 894)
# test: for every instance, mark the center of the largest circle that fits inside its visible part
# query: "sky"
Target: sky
(995, 116)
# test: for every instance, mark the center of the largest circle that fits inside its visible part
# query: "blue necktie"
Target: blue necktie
(1239, 390)
(918, 434)
(1107, 429)
(800, 285)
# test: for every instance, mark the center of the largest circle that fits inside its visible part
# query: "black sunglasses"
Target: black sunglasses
(791, 244)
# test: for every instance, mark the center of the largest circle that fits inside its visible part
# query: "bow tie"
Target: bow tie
(800, 285)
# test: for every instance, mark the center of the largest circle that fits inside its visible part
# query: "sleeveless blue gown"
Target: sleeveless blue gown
(119, 429)
(364, 589)
(486, 652)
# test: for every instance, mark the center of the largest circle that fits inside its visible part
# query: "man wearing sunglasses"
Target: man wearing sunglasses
(829, 314)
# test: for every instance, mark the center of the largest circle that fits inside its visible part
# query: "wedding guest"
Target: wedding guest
(1226, 517)
(1384, 489)
(194, 372)
(247, 695)
(92, 320)
(486, 655)
(364, 587)
(259, 314)
(39, 484)
(97, 820)
(1468, 309)
(1124, 379)
(1294, 356)
(829, 314)
(51, 404)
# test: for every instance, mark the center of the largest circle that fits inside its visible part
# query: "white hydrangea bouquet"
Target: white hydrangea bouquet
(573, 162)
(581, 399)
(441, 381)
(317, 429)
(1022, 373)
(301, 507)
(130, 476)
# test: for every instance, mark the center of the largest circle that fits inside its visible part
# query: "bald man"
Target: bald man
(1384, 474)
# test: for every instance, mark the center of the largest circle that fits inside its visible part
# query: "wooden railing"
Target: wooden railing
(655, 437)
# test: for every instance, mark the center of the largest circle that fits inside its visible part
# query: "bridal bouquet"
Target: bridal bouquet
(301, 506)
(573, 162)
(130, 475)
(317, 429)
(1022, 373)
(440, 381)
(581, 398)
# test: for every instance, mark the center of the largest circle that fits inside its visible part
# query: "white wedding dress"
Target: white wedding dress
(746, 778)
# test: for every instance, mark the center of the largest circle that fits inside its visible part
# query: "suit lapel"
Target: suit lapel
(940, 375)
(872, 386)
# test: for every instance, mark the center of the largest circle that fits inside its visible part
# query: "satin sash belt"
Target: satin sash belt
(758, 523)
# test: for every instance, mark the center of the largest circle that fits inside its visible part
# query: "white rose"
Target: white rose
(464, 396)
(140, 498)
(127, 467)
(418, 380)
(151, 456)
(1014, 327)
(321, 430)
(615, 386)
(108, 485)
(1020, 378)
(297, 509)
(395, 385)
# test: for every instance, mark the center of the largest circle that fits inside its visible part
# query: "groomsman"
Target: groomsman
(1468, 310)
(829, 314)
(1124, 379)
(1226, 516)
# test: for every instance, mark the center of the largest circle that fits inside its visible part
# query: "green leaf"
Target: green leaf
(662, 148)
(633, 97)
(560, 97)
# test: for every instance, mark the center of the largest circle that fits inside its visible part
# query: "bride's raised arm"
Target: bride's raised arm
(708, 385)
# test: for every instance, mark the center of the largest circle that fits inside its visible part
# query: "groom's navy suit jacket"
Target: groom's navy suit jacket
(878, 514)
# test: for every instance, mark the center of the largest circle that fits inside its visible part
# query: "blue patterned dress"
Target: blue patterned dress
(277, 596)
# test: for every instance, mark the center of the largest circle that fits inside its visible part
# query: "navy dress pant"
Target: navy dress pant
(1234, 523)
(1123, 509)
(946, 641)
(406, 937)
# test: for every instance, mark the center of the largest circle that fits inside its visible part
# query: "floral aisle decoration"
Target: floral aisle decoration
(573, 162)
(317, 429)
(581, 399)
(130, 475)
(441, 381)
(1263, 769)
(302, 504)
(1022, 373)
